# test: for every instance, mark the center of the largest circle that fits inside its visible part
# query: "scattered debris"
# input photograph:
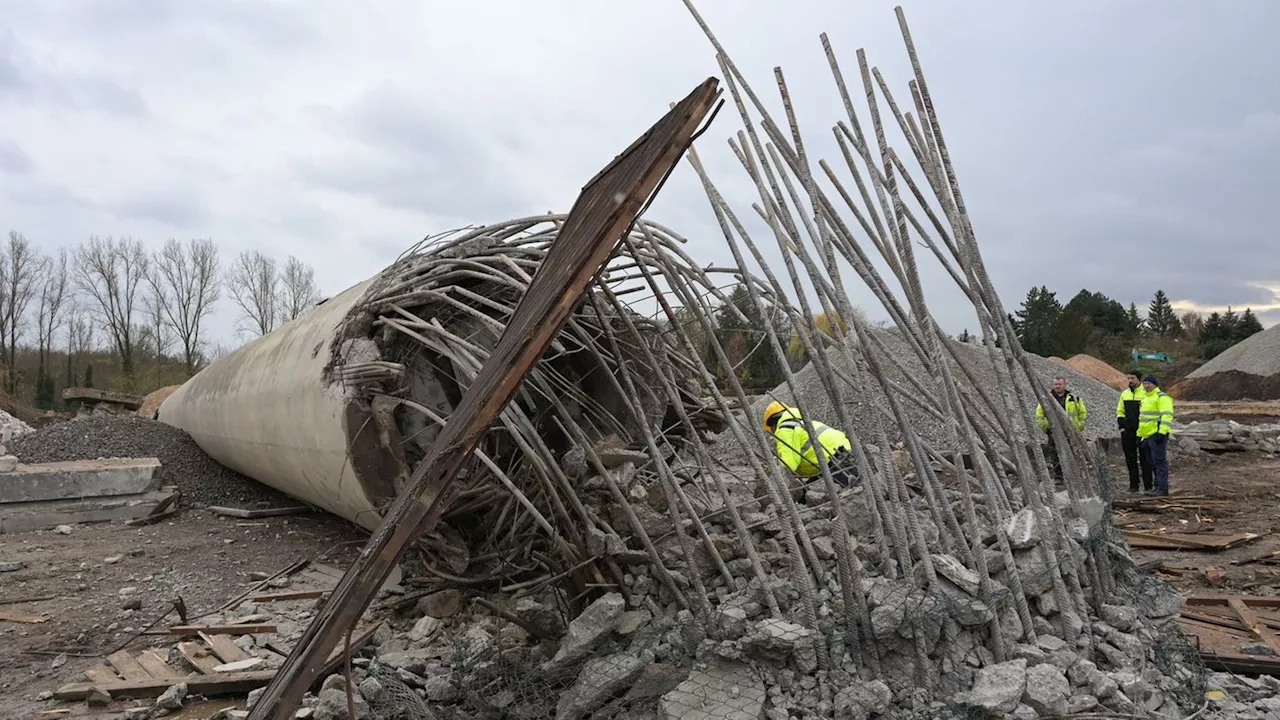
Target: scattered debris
(259, 512)
(1201, 542)
(1227, 627)
(98, 401)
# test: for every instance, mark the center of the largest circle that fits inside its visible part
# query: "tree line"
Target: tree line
(1095, 324)
(114, 295)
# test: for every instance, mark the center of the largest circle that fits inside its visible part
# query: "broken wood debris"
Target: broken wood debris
(1201, 542)
(19, 618)
(1225, 626)
(245, 629)
(259, 512)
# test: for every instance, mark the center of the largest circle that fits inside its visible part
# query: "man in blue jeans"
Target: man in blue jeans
(1155, 420)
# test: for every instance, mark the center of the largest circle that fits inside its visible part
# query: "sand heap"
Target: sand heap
(1247, 370)
(1099, 370)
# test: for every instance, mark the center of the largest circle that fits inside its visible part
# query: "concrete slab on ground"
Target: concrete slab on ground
(20, 517)
(78, 479)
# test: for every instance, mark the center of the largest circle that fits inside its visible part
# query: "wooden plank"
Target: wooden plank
(157, 666)
(289, 571)
(100, 674)
(263, 512)
(602, 216)
(244, 629)
(220, 684)
(208, 684)
(128, 668)
(199, 656)
(1255, 626)
(28, 619)
(315, 578)
(329, 570)
(240, 665)
(224, 647)
(283, 596)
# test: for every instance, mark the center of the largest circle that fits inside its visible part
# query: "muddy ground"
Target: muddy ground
(198, 556)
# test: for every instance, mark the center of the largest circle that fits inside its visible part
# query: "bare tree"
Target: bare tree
(51, 311)
(80, 340)
(298, 292)
(253, 285)
(110, 272)
(158, 338)
(23, 266)
(187, 276)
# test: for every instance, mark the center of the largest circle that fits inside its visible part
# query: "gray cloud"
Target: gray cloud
(13, 159)
(25, 79)
(412, 157)
(175, 210)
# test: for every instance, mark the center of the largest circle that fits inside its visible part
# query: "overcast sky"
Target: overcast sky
(1121, 147)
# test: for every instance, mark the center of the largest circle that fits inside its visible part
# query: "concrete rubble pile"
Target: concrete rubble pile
(600, 559)
(1222, 436)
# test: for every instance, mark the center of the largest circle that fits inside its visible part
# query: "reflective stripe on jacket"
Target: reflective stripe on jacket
(1129, 406)
(1075, 410)
(1156, 415)
(795, 448)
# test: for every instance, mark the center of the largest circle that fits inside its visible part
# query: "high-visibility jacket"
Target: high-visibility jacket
(1075, 410)
(795, 447)
(1129, 406)
(1156, 415)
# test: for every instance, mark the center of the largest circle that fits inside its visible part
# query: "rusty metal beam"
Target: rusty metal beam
(603, 212)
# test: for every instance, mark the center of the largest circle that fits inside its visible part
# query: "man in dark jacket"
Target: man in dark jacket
(1127, 420)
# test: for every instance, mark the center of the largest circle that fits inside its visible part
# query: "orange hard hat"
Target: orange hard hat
(775, 409)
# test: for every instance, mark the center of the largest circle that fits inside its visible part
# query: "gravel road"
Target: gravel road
(201, 480)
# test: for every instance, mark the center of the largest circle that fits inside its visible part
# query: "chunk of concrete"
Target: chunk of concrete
(590, 628)
(1023, 529)
(725, 690)
(78, 479)
(862, 700)
(955, 571)
(997, 688)
(600, 679)
(1047, 690)
(21, 517)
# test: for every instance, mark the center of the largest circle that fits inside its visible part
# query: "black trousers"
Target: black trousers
(1133, 459)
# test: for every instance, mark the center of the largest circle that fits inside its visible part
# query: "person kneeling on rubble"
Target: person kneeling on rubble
(797, 451)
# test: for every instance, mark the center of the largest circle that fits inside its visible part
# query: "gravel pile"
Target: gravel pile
(1099, 399)
(201, 480)
(1258, 355)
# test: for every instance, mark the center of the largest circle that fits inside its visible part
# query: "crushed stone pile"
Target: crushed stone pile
(1099, 399)
(1249, 370)
(1099, 370)
(201, 480)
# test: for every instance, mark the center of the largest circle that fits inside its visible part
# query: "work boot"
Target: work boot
(1161, 493)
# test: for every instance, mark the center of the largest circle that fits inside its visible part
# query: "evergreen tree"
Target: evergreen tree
(1247, 326)
(1037, 321)
(1215, 336)
(88, 375)
(965, 337)
(1161, 319)
(1134, 322)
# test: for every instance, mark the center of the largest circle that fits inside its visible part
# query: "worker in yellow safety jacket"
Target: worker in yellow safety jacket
(1155, 420)
(1076, 412)
(1127, 410)
(796, 448)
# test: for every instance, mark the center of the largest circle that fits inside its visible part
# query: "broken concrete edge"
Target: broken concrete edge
(51, 513)
(78, 479)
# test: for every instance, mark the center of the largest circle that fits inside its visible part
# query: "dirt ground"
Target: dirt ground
(198, 556)
(1241, 493)
(74, 582)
